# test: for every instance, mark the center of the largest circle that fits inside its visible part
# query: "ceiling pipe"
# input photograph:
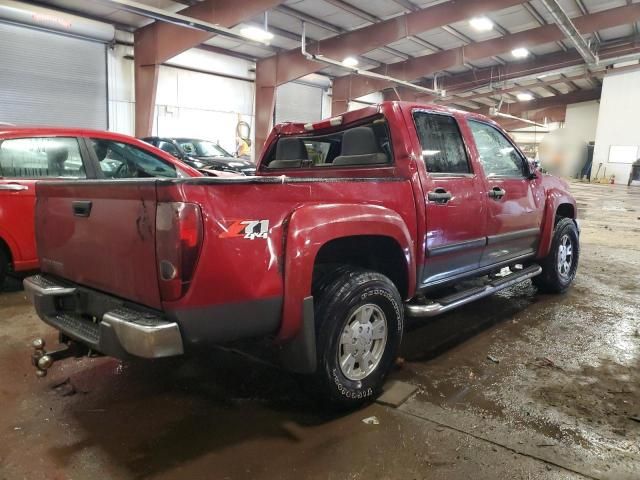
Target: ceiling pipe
(567, 27)
(495, 113)
(159, 14)
(364, 73)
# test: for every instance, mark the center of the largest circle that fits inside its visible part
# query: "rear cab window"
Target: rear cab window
(41, 157)
(364, 145)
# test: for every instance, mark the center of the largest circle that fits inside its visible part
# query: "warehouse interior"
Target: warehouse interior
(521, 384)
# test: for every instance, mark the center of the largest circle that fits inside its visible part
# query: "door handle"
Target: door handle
(497, 193)
(81, 208)
(439, 195)
(13, 187)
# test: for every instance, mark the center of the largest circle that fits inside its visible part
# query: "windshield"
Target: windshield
(202, 148)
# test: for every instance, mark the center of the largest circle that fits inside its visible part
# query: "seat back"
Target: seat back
(290, 153)
(359, 147)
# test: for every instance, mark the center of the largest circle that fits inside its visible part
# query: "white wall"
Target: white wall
(582, 119)
(188, 103)
(617, 121)
(121, 90)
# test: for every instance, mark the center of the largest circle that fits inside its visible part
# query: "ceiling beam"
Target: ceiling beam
(353, 86)
(158, 42)
(518, 88)
(292, 64)
(519, 108)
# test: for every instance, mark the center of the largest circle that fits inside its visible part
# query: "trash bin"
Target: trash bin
(635, 172)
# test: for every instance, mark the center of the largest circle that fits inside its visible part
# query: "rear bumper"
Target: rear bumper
(114, 327)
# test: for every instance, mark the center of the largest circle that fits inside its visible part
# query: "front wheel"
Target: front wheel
(560, 265)
(359, 323)
(4, 268)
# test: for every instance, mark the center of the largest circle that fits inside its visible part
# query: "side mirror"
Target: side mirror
(534, 167)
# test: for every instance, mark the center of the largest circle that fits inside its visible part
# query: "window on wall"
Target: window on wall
(41, 158)
(497, 154)
(443, 150)
(120, 160)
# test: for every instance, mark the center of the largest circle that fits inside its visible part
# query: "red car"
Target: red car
(350, 225)
(29, 154)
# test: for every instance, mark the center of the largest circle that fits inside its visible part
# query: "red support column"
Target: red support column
(146, 82)
(266, 71)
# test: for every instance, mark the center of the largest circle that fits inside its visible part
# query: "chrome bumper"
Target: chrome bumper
(117, 331)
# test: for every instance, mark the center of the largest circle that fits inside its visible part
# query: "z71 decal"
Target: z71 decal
(250, 229)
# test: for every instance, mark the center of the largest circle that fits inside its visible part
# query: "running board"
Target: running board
(458, 299)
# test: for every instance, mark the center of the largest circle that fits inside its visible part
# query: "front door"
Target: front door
(455, 207)
(514, 210)
(22, 162)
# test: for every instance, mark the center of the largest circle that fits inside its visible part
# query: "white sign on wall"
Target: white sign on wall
(623, 154)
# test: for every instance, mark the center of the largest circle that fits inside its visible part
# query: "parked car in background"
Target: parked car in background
(29, 154)
(203, 155)
(351, 224)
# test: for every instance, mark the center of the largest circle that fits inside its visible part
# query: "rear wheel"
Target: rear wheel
(560, 265)
(359, 322)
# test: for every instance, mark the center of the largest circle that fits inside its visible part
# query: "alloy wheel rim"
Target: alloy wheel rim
(565, 256)
(362, 342)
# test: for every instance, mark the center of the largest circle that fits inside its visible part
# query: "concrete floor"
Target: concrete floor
(556, 406)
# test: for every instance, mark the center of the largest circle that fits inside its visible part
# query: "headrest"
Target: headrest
(57, 153)
(291, 148)
(359, 141)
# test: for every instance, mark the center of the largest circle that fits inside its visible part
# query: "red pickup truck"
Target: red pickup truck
(349, 225)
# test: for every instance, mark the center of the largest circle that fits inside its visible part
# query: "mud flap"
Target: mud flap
(299, 355)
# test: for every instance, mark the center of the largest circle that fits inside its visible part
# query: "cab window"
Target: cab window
(443, 150)
(41, 158)
(498, 156)
(365, 145)
(121, 160)
(169, 147)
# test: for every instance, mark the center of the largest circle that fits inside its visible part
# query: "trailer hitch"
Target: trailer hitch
(43, 360)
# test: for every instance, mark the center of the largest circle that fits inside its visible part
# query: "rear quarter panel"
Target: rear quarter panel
(302, 214)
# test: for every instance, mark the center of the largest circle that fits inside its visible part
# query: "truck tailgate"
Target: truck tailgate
(101, 235)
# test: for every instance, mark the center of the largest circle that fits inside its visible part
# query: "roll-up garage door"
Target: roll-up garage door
(297, 102)
(51, 79)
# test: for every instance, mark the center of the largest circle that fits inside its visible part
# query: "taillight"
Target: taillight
(178, 242)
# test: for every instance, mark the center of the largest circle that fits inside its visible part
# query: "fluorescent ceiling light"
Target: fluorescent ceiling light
(520, 53)
(257, 34)
(350, 62)
(524, 97)
(482, 24)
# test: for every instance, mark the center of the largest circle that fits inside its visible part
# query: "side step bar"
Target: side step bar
(458, 299)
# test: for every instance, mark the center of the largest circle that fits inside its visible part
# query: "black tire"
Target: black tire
(4, 267)
(338, 296)
(554, 277)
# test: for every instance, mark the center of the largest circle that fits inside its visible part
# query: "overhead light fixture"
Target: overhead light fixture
(256, 33)
(524, 97)
(520, 52)
(482, 24)
(350, 62)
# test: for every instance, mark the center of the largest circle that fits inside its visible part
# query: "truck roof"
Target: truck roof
(43, 131)
(296, 128)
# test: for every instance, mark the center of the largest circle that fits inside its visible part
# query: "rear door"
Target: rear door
(455, 206)
(22, 162)
(514, 211)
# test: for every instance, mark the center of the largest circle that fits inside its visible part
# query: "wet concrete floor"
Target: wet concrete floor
(555, 400)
